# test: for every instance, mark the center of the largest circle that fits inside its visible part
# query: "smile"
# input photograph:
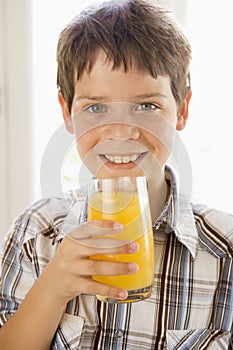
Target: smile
(122, 159)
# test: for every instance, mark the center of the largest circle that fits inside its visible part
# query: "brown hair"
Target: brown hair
(132, 33)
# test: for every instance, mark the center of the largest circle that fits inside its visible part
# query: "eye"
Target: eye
(146, 106)
(97, 108)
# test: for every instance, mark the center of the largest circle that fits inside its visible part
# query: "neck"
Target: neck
(157, 189)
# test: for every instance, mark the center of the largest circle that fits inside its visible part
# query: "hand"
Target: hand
(70, 270)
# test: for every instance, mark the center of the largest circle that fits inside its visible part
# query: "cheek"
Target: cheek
(160, 142)
(159, 133)
(160, 146)
(86, 143)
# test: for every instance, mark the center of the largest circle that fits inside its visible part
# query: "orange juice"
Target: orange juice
(134, 215)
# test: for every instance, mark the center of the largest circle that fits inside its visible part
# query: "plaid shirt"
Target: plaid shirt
(192, 302)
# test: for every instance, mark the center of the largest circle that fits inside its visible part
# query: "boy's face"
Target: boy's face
(124, 122)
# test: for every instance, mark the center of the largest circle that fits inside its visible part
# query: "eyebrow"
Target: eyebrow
(150, 95)
(94, 98)
(103, 98)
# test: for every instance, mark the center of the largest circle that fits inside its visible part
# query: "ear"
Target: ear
(65, 113)
(183, 112)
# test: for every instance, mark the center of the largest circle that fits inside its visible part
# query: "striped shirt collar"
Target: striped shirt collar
(177, 214)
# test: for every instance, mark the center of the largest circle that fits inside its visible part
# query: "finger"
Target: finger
(105, 224)
(105, 246)
(105, 268)
(95, 288)
(95, 228)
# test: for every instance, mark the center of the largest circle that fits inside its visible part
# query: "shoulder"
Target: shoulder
(215, 229)
(44, 217)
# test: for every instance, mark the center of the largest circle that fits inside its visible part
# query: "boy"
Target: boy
(115, 57)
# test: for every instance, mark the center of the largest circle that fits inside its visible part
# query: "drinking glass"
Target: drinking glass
(125, 200)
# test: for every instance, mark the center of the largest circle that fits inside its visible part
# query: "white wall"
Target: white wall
(15, 114)
(4, 204)
(29, 112)
(179, 9)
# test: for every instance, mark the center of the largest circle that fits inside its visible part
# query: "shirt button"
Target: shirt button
(119, 333)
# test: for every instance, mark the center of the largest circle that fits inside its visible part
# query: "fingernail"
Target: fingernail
(133, 267)
(117, 225)
(134, 247)
(123, 294)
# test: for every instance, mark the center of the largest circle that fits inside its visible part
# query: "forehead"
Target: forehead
(118, 83)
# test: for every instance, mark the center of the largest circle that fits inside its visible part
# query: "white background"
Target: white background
(29, 112)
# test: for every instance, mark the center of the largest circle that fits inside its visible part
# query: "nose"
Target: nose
(121, 131)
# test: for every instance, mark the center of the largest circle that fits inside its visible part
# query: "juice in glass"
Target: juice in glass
(131, 209)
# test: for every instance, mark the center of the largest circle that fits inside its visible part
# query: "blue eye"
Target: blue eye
(97, 108)
(146, 107)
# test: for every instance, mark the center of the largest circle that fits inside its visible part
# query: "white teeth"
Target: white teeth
(126, 159)
(117, 160)
(134, 157)
(123, 159)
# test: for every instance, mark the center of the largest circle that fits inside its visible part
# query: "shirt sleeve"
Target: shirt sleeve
(17, 269)
(27, 248)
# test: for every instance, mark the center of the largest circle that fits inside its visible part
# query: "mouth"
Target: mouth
(122, 159)
(126, 160)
